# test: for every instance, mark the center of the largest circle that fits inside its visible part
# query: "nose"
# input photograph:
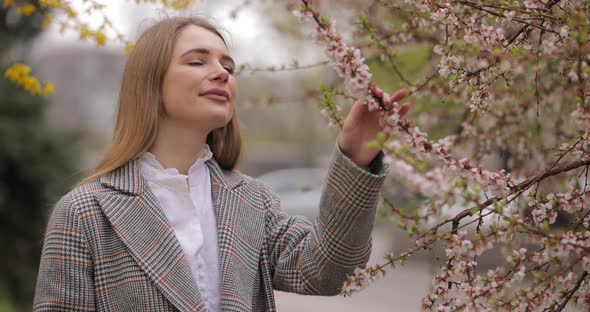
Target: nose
(220, 74)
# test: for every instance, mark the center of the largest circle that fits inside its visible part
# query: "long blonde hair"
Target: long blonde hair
(140, 101)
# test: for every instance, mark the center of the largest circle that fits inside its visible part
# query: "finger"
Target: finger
(375, 90)
(390, 100)
(355, 115)
(399, 95)
(358, 108)
(359, 105)
(381, 97)
(403, 110)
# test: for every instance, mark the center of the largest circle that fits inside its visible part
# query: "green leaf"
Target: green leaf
(363, 19)
(537, 274)
(373, 144)
(544, 226)
(403, 149)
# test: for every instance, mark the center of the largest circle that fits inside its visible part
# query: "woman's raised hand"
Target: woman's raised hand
(362, 126)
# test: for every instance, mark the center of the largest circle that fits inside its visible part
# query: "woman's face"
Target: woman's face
(198, 87)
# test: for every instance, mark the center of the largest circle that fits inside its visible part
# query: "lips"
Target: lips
(216, 94)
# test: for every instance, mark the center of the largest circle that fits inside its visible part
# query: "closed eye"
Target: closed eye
(230, 70)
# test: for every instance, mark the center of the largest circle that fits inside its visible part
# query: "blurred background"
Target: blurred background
(48, 144)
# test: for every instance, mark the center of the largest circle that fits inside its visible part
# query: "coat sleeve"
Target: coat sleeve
(314, 259)
(65, 280)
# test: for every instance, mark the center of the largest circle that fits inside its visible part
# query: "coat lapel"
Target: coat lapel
(136, 217)
(223, 186)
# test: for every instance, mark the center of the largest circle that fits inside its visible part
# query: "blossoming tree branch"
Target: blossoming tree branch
(502, 61)
(504, 165)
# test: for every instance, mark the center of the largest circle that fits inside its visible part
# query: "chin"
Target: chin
(219, 121)
(222, 116)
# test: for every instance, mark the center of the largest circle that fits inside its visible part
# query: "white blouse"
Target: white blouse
(186, 202)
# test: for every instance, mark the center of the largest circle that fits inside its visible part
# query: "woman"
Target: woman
(164, 223)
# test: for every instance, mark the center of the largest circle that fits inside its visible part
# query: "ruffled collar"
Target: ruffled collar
(153, 171)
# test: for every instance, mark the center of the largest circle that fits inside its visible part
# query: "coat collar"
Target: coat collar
(138, 220)
(127, 178)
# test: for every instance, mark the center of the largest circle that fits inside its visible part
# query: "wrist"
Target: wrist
(355, 157)
(361, 163)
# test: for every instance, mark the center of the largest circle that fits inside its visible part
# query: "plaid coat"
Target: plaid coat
(109, 247)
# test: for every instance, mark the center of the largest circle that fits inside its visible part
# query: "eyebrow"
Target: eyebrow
(206, 51)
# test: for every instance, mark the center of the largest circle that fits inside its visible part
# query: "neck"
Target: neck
(178, 145)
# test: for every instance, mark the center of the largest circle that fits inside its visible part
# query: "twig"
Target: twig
(571, 292)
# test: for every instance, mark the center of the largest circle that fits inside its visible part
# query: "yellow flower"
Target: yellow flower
(8, 3)
(46, 21)
(98, 6)
(130, 45)
(9, 74)
(54, 4)
(26, 10)
(100, 38)
(19, 74)
(177, 4)
(71, 13)
(48, 89)
(31, 85)
(17, 71)
(24, 69)
(84, 33)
